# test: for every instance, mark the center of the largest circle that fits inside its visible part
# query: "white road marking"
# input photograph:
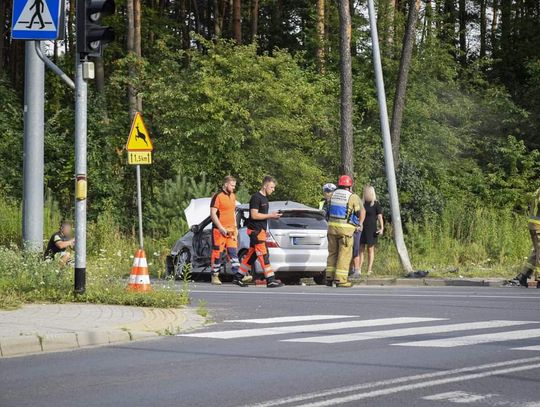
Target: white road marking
(535, 347)
(394, 333)
(460, 397)
(389, 382)
(338, 293)
(276, 320)
(475, 339)
(248, 333)
(430, 383)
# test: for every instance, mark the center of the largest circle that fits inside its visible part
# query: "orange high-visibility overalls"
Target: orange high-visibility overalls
(226, 211)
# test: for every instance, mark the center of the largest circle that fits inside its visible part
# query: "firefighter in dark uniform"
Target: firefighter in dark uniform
(533, 263)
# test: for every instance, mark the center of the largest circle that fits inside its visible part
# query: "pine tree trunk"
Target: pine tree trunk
(70, 26)
(132, 95)
(483, 28)
(319, 53)
(254, 19)
(100, 77)
(506, 42)
(137, 39)
(184, 26)
(3, 6)
(237, 21)
(403, 76)
(462, 32)
(347, 163)
(494, 25)
(218, 20)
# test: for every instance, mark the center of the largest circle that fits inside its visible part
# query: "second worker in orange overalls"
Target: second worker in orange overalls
(257, 231)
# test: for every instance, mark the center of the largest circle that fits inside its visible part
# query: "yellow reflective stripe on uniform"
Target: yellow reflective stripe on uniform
(341, 225)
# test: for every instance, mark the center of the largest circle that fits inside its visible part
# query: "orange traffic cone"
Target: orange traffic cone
(139, 279)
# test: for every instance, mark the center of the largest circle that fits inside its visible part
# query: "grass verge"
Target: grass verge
(26, 278)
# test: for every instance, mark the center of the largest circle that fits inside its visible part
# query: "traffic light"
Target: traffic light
(91, 35)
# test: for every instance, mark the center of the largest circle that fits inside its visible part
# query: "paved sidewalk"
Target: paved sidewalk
(40, 328)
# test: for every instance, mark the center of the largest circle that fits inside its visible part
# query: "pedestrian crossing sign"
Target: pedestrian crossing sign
(139, 138)
(37, 19)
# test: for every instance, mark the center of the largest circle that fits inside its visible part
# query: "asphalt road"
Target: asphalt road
(310, 346)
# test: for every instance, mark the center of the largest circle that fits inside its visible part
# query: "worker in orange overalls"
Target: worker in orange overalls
(257, 231)
(224, 230)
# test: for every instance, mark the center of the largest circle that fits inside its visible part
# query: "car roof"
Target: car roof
(283, 206)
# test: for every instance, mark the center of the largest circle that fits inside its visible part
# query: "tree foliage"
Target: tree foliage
(270, 104)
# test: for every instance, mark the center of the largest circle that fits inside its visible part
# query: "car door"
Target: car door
(202, 243)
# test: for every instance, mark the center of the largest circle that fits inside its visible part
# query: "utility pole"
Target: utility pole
(91, 37)
(33, 167)
(387, 143)
(80, 175)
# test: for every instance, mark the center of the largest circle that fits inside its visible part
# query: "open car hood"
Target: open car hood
(198, 210)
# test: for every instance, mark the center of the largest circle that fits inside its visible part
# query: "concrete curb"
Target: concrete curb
(156, 323)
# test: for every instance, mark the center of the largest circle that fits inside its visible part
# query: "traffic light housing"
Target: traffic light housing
(91, 35)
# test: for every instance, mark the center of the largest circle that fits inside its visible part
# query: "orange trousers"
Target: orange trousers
(258, 251)
(220, 244)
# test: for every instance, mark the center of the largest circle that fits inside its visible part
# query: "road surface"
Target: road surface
(310, 346)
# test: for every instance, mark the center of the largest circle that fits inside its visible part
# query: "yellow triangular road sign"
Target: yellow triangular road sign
(139, 138)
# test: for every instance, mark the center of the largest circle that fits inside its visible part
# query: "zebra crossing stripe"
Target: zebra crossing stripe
(280, 330)
(536, 347)
(475, 339)
(394, 333)
(300, 318)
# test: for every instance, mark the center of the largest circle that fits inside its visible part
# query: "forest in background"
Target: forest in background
(253, 87)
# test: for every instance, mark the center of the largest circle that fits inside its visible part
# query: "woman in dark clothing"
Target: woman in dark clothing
(371, 230)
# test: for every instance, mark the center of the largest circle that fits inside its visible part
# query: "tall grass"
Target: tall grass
(11, 220)
(464, 240)
(27, 278)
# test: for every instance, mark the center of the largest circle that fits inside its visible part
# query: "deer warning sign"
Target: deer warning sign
(139, 138)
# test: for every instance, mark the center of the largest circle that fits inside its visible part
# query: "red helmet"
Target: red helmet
(345, 181)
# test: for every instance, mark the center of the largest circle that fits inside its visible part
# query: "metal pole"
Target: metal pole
(33, 181)
(387, 143)
(50, 64)
(139, 206)
(80, 175)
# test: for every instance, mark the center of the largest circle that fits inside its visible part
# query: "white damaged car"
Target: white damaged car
(296, 242)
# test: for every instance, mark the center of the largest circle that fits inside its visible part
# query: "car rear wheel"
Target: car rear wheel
(182, 264)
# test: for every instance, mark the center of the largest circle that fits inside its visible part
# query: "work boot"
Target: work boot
(215, 279)
(247, 278)
(237, 279)
(522, 280)
(345, 285)
(239, 283)
(273, 283)
(329, 283)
